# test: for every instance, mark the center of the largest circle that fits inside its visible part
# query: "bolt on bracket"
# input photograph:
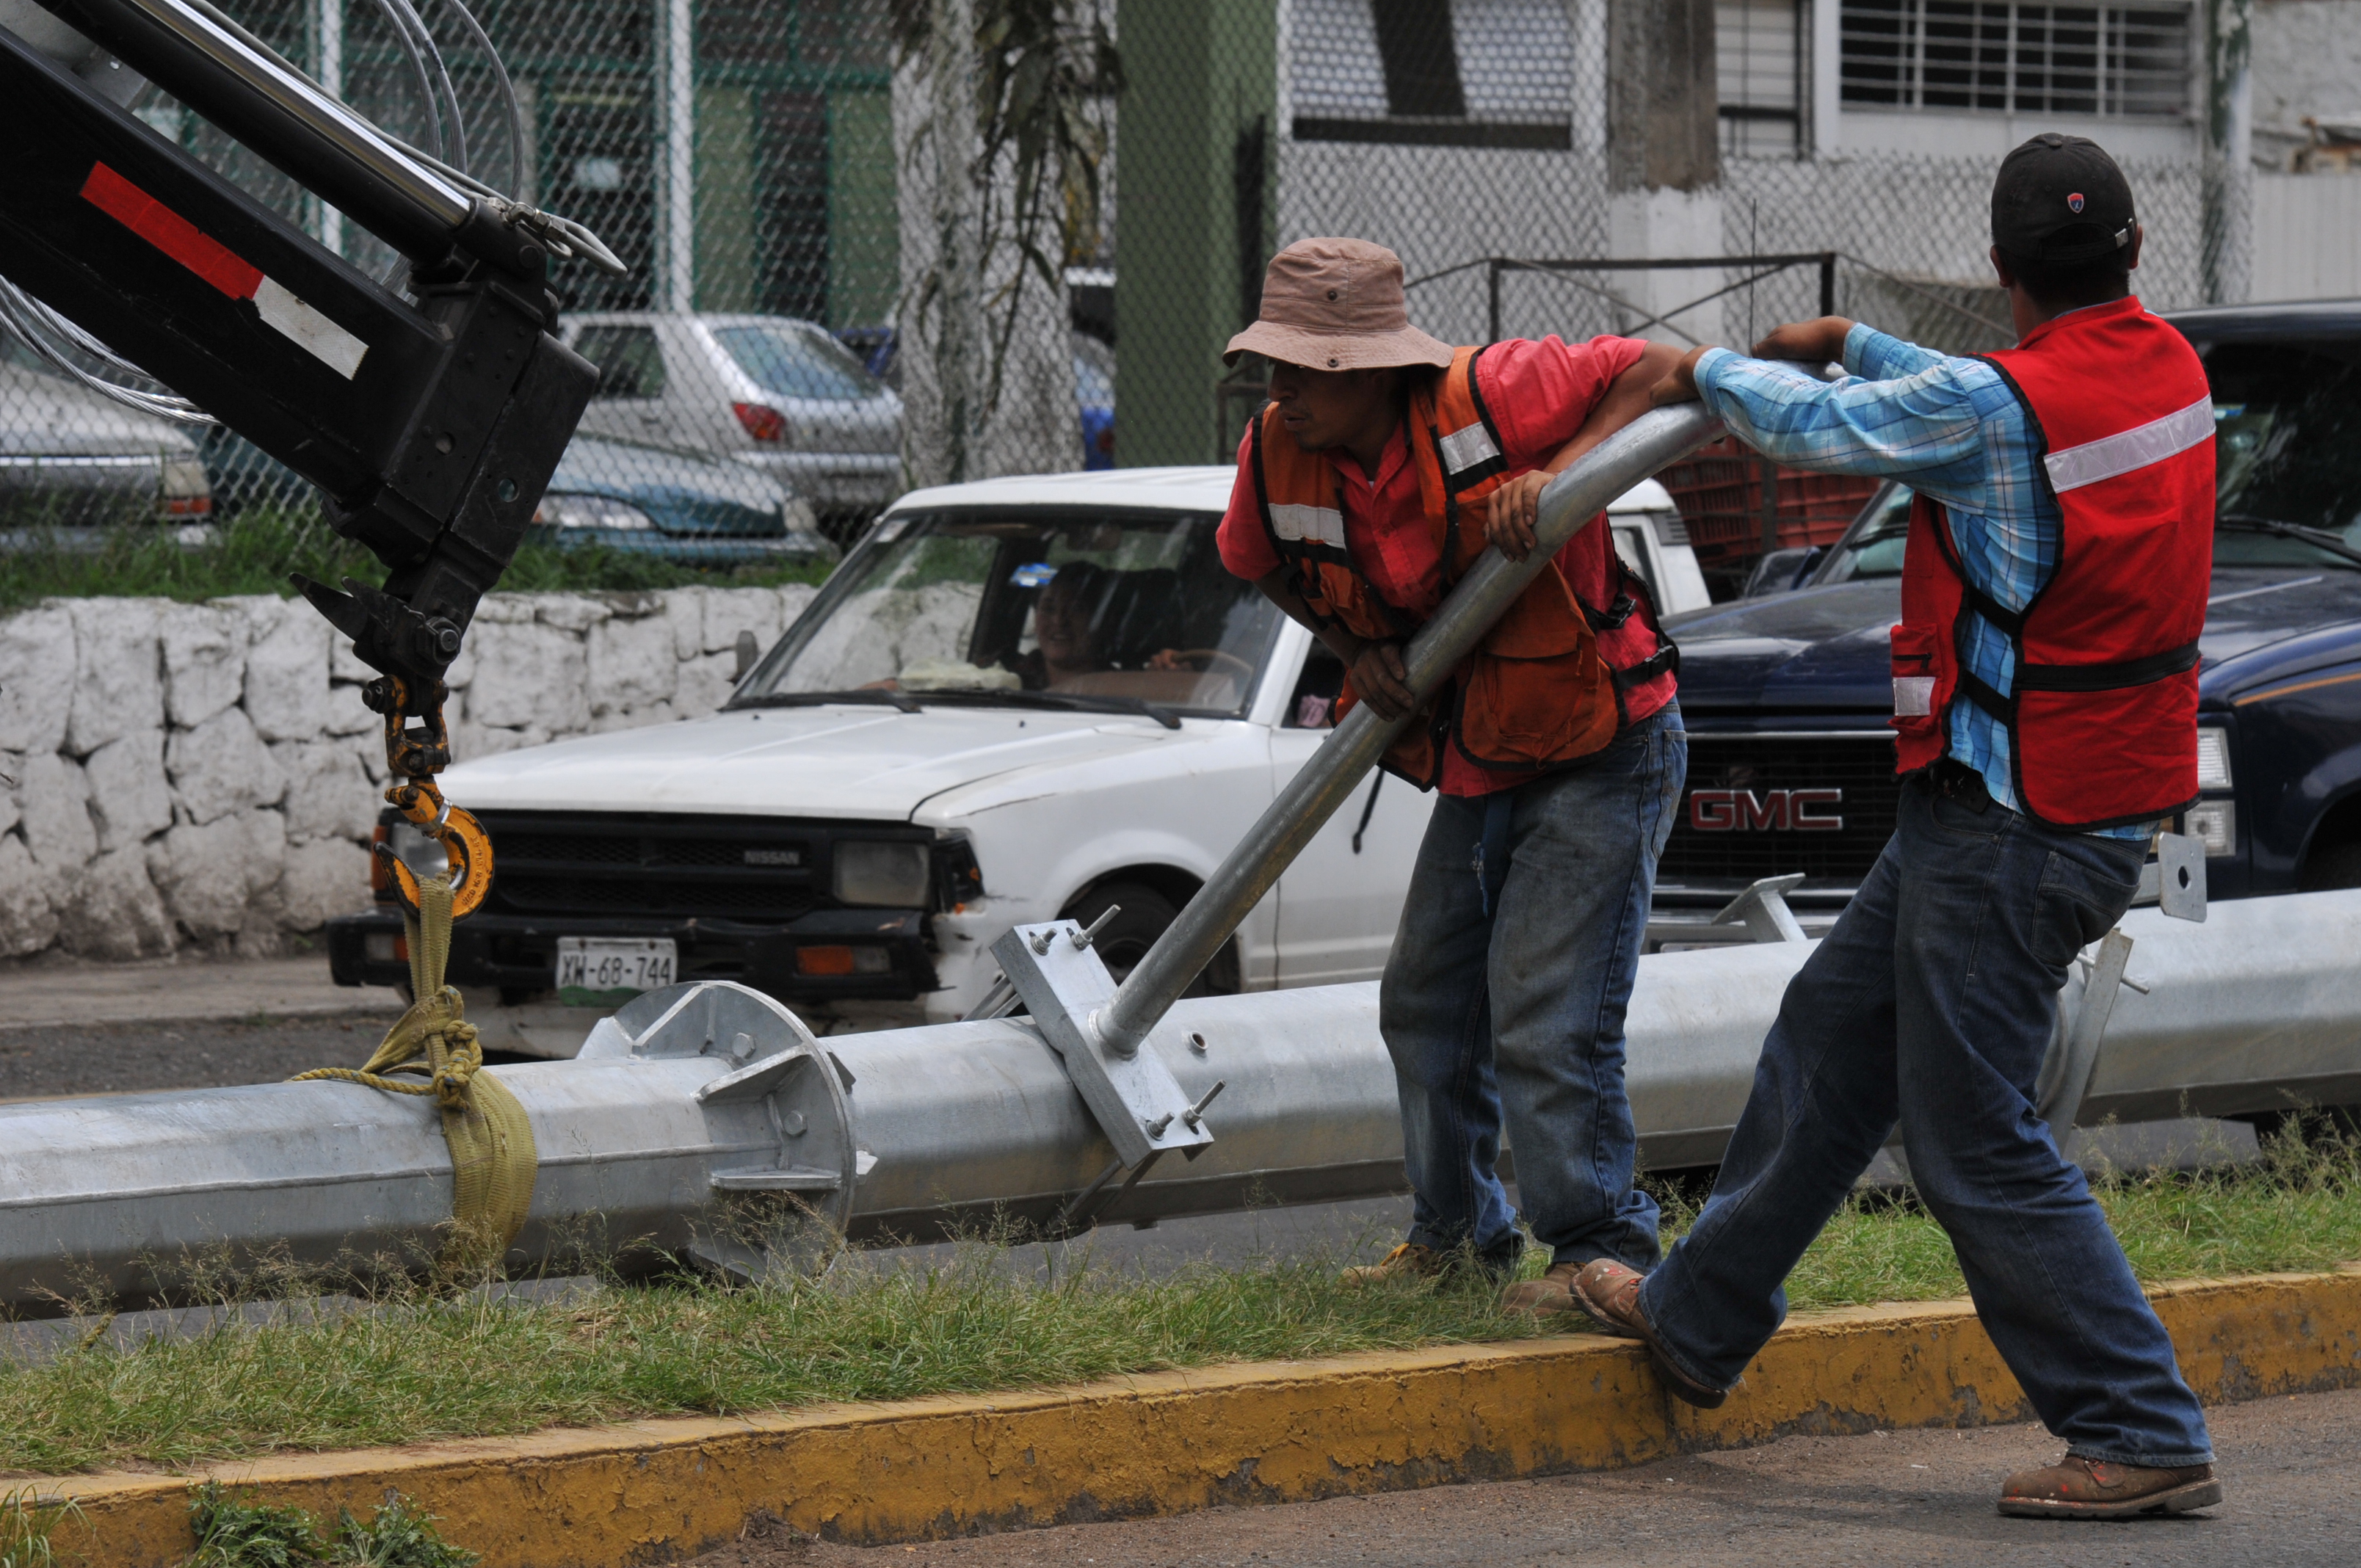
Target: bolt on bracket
(1063, 983)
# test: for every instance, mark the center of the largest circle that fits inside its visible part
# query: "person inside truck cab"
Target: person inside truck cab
(2044, 701)
(1383, 465)
(1065, 628)
(1083, 609)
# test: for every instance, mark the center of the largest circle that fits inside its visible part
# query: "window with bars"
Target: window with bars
(1760, 75)
(2018, 58)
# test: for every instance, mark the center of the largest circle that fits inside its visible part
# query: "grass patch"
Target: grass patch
(407, 1368)
(253, 552)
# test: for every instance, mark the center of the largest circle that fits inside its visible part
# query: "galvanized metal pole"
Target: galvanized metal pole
(1321, 784)
(705, 1123)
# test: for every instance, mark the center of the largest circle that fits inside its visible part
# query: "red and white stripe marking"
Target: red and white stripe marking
(214, 262)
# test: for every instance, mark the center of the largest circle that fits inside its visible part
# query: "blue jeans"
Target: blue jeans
(1504, 996)
(1932, 1001)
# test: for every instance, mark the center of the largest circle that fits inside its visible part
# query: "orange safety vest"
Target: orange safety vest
(1545, 687)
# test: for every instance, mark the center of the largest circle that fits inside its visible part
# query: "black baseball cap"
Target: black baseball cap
(2060, 198)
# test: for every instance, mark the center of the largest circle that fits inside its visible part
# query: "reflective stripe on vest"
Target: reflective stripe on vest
(1321, 525)
(2136, 448)
(1464, 449)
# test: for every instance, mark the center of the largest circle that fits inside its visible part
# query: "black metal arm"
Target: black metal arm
(430, 423)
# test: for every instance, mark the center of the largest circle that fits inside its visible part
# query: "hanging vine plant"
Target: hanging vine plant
(1044, 72)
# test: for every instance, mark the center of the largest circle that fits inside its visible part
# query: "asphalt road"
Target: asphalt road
(1917, 1498)
(50, 1060)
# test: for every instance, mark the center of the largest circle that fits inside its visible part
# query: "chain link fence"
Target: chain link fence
(882, 243)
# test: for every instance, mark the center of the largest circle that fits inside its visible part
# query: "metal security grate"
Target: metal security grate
(2017, 58)
(1740, 818)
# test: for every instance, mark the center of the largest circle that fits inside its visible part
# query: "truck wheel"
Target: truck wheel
(1145, 913)
(2325, 869)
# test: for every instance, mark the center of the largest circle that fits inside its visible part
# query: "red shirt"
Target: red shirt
(1539, 394)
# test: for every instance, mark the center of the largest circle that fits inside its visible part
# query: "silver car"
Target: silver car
(68, 458)
(777, 392)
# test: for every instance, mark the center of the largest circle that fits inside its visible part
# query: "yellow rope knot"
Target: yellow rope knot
(492, 1158)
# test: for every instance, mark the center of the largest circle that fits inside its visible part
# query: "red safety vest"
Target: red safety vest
(1548, 685)
(2103, 715)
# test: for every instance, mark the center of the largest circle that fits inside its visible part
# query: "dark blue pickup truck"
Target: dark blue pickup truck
(1786, 697)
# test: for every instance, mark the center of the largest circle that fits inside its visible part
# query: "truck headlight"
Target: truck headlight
(2213, 759)
(882, 873)
(2216, 822)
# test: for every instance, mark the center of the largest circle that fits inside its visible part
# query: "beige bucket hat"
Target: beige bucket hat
(1336, 304)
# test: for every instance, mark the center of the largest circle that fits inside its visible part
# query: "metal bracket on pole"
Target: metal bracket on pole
(1763, 910)
(2066, 1072)
(1064, 985)
(2175, 881)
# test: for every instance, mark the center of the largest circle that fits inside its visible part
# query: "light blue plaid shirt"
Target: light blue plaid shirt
(1949, 429)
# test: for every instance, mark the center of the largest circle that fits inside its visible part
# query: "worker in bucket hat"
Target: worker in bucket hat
(1383, 465)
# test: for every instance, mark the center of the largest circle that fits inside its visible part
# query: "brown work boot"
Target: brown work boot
(1408, 1261)
(1551, 1296)
(1610, 1292)
(2079, 1488)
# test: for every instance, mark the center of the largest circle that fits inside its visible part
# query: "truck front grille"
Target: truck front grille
(1759, 805)
(616, 864)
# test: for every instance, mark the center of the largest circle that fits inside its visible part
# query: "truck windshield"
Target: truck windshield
(1078, 607)
(2287, 455)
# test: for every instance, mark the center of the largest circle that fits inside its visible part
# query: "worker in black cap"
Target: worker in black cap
(2045, 695)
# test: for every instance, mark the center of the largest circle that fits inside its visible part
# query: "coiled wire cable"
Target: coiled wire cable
(66, 348)
(57, 341)
(442, 98)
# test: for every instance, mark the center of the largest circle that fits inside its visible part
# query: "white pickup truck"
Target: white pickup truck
(1016, 700)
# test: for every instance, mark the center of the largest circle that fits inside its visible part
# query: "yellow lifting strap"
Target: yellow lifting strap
(492, 1157)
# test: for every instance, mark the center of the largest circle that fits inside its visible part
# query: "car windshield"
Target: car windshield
(796, 359)
(1095, 609)
(2287, 421)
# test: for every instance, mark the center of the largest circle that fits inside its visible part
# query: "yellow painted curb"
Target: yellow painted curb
(1267, 1432)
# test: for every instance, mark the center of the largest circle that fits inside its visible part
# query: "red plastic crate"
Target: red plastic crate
(1718, 490)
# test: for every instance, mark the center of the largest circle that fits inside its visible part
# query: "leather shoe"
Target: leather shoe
(1610, 1292)
(2079, 1488)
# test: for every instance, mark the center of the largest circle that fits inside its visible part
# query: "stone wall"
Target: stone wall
(204, 775)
